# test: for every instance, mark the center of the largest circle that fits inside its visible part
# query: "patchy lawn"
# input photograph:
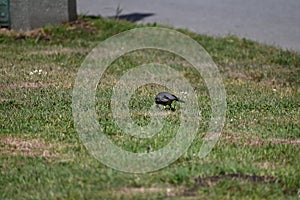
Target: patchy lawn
(42, 157)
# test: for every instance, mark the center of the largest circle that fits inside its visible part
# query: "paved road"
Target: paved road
(275, 22)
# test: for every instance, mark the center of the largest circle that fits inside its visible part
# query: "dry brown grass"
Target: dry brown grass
(41, 34)
(36, 33)
(266, 165)
(26, 85)
(35, 148)
(35, 85)
(247, 140)
(166, 191)
(27, 147)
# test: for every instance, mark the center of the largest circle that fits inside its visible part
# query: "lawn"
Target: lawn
(42, 156)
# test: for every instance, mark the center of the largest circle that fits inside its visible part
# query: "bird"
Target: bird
(166, 98)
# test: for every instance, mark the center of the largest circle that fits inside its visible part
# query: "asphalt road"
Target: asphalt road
(274, 22)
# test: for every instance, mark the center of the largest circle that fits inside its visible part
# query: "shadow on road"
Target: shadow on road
(133, 17)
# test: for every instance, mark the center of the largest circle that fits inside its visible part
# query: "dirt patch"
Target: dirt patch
(202, 182)
(34, 85)
(244, 139)
(255, 142)
(283, 141)
(59, 51)
(28, 148)
(167, 192)
(199, 183)
(25, 85)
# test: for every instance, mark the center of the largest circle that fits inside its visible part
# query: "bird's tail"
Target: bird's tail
(179, 100)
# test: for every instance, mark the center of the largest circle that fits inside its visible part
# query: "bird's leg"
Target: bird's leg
(148, 149)
(172, 108)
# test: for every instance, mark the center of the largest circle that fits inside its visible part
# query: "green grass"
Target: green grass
(42, 156)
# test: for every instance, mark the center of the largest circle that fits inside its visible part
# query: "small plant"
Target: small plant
(119, 10)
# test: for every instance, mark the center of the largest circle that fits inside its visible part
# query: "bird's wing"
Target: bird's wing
(170, 97)
(165, 98)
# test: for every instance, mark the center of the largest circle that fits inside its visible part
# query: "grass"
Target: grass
(42, 156)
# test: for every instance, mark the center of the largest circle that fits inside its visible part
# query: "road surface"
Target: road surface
(274, 22)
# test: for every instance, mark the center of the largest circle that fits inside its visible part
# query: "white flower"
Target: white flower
(37, 71)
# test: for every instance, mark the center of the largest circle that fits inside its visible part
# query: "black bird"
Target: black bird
(165, 98)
